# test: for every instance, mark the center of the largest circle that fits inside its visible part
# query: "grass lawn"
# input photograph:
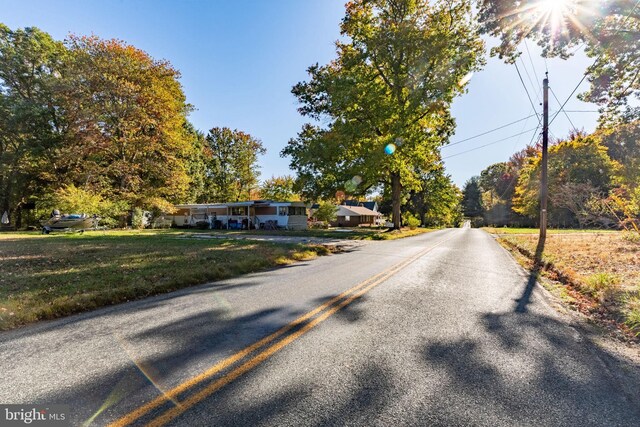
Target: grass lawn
(49, 276)
(600, 271)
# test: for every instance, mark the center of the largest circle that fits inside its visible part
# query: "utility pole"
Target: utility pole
(545, 145)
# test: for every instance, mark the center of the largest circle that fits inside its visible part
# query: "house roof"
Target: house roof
(369, 205)
(356, 211)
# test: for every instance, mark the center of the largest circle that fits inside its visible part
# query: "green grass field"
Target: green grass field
(48, 276)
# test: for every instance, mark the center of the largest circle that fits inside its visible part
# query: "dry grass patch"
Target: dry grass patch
(602, 271)
(45, 277)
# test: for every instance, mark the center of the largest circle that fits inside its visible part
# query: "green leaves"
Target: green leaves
(392, 83)
(279, 188)
(231, 165)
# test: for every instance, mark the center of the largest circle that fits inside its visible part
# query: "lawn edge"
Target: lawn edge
(565, 291)
(303, 252)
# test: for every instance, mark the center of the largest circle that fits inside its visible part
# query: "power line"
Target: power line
(526, 71)
(491, 143)
(565, 113)
(526, 45)
(524, 125)
(526, 90)
(487, 132)
(535, 133)
(568, 98)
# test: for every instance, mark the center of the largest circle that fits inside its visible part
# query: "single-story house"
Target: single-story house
(372, 205)
(353, 216)
(252, 214)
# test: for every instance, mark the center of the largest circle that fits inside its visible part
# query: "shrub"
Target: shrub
(326, 212)
(632, 315)
(631, 236)
(72, 199)
(137, 219)
(318, 225)
(601, 285)
(411, 221)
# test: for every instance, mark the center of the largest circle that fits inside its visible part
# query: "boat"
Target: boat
(70, 222)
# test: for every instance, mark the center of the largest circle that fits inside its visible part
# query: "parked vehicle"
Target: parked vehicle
(70, 222)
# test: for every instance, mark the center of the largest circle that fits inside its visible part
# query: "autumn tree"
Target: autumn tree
(497, 183)
(231, 166)
(279, 188)
(385, 98)
(579, 171)
(125, 123)
(196, 164)
(30, 123)
(609, 30)
(623, 146)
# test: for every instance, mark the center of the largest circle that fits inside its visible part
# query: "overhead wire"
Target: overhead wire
(526, 45)
(488, 132)
(567, 100)
(561, 109)
(526, 90)
(490, 143)
(537, 88)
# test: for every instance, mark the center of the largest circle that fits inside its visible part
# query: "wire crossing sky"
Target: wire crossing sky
(239, 60)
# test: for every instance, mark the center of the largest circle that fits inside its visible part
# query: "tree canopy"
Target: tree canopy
(279, 188)
(231, 165)
(385, 98)
(609, 30)
(100, 125)
(579, 169)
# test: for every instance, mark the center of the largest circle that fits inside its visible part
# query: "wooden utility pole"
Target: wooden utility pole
(545, 145)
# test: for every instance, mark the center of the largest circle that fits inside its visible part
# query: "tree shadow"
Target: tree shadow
(153, 360)
(526, 369)
(534, 273)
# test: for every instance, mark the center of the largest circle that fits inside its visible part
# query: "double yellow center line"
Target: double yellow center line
(307, 322)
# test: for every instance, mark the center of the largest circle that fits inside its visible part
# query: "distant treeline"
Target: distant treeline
(594, 181)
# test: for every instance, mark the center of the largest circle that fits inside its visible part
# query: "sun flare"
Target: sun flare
(554, 13)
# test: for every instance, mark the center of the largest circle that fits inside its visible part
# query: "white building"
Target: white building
(253, 214)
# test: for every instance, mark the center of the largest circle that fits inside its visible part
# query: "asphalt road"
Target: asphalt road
(440, 329)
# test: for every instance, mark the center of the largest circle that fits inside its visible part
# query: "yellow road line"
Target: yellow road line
(255, 361)
(172, 394)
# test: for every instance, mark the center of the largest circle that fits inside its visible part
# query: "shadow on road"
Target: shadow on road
(525, 299)
(529, 367)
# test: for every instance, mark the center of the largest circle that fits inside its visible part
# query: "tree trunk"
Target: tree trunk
(396, 188)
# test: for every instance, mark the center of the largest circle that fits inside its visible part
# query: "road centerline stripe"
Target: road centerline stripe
(171, 395)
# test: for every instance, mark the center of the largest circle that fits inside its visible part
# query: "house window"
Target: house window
(238, 210)
(347, 218)
(282, 211)
(298, 210)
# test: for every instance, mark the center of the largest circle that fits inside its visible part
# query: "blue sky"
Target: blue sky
(239, 60)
